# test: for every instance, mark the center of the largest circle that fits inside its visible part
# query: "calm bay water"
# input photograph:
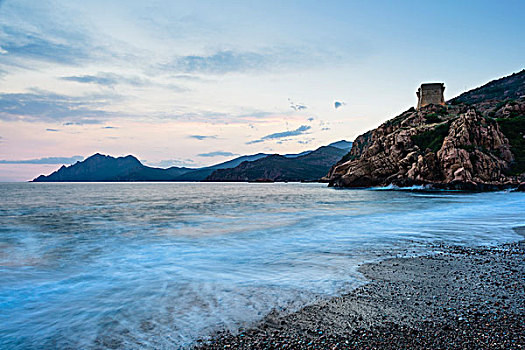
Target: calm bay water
(158, 265)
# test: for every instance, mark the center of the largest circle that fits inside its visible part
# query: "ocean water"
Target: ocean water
(158, 265)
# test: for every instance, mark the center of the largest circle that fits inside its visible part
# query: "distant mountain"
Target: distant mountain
(203, 173)
(308, 167)
(346, 145)
(343, 144)
(295, 155)
(102, 168)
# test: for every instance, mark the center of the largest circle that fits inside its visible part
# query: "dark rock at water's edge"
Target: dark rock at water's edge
(475, 142)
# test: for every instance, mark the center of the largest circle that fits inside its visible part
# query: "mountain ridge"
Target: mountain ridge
(105, 168)
(307, 167)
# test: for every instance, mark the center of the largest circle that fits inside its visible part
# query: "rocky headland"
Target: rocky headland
(474, 142)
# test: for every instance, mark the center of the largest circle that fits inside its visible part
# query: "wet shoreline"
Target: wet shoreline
(457, 298)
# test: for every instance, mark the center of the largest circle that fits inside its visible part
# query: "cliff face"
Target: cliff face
(464, 145)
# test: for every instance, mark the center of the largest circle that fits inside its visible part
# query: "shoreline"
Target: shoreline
(457, 298)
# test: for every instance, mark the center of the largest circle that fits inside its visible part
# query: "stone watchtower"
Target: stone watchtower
(430, 93)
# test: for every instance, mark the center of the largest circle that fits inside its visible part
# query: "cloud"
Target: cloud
(46, 160)
(202, 137)
(338, 104)
(111, 79)
(189, 77)
(297, 106)
(217, 154)
(83, 122)
(299, 131)
(109, 127)
(51, 107)
(53, 130)
(279, 135)
(18, 45)
(311, 119)
(254, 141)
(40, 32)
(101, 79)
(221, 62)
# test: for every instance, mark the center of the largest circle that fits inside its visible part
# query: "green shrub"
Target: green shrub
(432, 118)
(514, 129)
(432, 139)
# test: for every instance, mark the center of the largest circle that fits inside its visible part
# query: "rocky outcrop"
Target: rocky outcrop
(474, 146)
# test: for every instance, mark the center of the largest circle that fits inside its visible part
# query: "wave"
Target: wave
(393, 187)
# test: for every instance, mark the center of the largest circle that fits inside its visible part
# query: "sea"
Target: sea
(160, 265)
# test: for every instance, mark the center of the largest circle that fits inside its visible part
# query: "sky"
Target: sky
(194, 83)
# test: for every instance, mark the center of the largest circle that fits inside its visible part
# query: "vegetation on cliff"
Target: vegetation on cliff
(514, 129)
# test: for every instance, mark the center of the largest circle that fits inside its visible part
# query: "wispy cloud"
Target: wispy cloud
(221, 62)
(52, 130)
(41, 33)
(51, 107)
(305, 142)
(111, 79)
(18, 46)
(202, 137)
(46, 160)
(83, 121)
(297, 106)
(218, 154)
(106, 79)
(279, 135)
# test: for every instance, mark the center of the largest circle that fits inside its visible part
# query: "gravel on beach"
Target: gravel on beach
(457, 298)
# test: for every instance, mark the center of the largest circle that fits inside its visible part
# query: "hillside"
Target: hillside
(203, 173)
(309, 167)
(510, 87)
(474, 142)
